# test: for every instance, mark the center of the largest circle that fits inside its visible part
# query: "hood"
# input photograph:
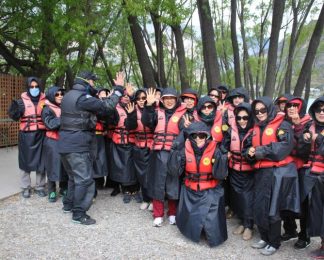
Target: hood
(203, 101)
(223, 88)
(169, 92)
(197, 127)
(241, 91)
(311, 111)
(284, 97)
(268, 104)
(302, 107)
(84, 82)
(247, 107)
(30, 79)
(50, 93)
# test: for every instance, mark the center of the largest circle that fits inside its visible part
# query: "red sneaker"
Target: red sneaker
(318, 253)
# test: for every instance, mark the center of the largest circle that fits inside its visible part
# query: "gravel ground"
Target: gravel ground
(35, 229)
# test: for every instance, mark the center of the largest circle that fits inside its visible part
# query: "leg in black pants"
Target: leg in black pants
(272, 235)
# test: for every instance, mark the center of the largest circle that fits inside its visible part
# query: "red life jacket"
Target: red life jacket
(269, 136)
(216, 130)
(315, 161)
(200, 177)
(120, 134)
(143, 134)
(300, 162)
(53, 134)
(99, 128)
(32, 120)
(166, 132)
(237, 161)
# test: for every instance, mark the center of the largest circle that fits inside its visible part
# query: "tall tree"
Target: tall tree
(236, 52)
(278, 10)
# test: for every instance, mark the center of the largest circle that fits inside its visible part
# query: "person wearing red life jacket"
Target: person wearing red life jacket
(214, 95)
(295, 110)
(281, 101)
(51, 114)
(201, 206)
(276, 178)
(141, 151)
(241, 173)
(311, 148)
(164, 122)
(31, 135)
(190, 98)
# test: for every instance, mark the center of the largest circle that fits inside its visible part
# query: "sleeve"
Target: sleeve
(319, 141)
(176, 162)
(277, 151)
(220, 166)
(149, 117)
(50, 120)
(226, 143)
(95, 105)
(131, 121)
(16, 109)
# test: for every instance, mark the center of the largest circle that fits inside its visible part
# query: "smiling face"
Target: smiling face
(140, 100)
(58, 97)
(242, 118)
(214, 95)
(238, 100)
(207, 108)
(260, 111)
(189, 101)
(169, 102)
(292, 109)
(319, 113)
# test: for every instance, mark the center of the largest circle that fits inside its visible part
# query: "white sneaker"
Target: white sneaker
(260, 244)
(268, 250)
(172, 220)
(150, 207)
(144, 205)
(158, 222)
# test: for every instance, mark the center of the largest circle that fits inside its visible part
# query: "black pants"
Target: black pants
(272, 234)
(51, 185)
(81, 186)
(146, 198)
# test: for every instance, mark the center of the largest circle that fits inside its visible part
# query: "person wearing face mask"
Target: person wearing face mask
(201, 206)
(311, 148)
(164, 122)
(190, 98)
(51, 114)
(295, 111)
(77, 142)
(241, 173)
(276, 178)
(31, 136)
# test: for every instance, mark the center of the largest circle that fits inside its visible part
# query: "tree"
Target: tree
(237, 69)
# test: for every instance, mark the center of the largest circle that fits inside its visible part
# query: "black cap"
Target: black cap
(87, 75)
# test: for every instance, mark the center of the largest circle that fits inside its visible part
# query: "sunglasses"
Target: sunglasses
(319, 110)
(215, 96)
(199, 135)
(223, 91)
(208, 107)
(59, 94)
(289, 105)
(141, 98)
(260, 111)
(238, 97)
(245, 118)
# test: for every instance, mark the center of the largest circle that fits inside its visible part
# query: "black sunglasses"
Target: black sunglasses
(59, 94)
(208, 106)
(245, 118)
(215, 96)
(239, 96)
(319, 110)
(289, 105)
(260, 111)
(199, 135)
(141, 98)
(223, 91)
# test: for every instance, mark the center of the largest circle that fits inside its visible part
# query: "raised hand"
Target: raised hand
(251, 151)
(186, 121)
(130, 107)
(222, 107)
(150, 96)
(307, 136)
(130, 89)
(120, 79)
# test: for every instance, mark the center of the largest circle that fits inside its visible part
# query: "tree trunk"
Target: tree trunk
(209, 47)
(236, 52)
(310, 56)
(278, 10)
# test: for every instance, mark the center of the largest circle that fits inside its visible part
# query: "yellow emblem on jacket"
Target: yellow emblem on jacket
(224, 128)
(281, 132)
(206, 161)
(269, 131)
(217, 129)
(175, 119)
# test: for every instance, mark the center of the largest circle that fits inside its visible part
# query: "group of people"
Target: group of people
(262, 159)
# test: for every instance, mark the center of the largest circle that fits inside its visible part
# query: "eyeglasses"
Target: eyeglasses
(260, 111)
(208, 107)
(289, 105)
(59, 94)
(199, 135)
(141, 98)
(319, 110)
(223, 91)
(211, 95)
(245, 118)
(239, 96)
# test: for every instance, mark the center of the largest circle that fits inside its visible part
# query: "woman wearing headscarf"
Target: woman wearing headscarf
(241, 173)
(276, 179)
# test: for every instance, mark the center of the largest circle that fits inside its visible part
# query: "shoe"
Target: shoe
(137, 197)
(229, 213)
(150, 207)
(85, 220)
(127, 197)
(268, 250)
(52, 196)
(41, 193)
(67, 209)
(301, 244)
(62, 193)
(288, 236)
(239, 230)
(318, 253)
(158, 222)
(172, 220)
(115, 192)
(259, 245)
(26, 193)
(247, 234)
(144, 205)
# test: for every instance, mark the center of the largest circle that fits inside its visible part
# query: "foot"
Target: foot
(144, 205)
(318, 253)
(229, 213)
(239, 230)
(127, 197)
(268, 250)
(137, 197)
(301, 244)
(247, 234)
(260, 244)
(85, 220)
(115, 192)
(67, 209)
(288, 236)
(158, 222)
(63, 192)
(52, 196)
(172, 220)
(26, 193)
(41, 193)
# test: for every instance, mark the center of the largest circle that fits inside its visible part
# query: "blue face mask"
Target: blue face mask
(34, 92)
